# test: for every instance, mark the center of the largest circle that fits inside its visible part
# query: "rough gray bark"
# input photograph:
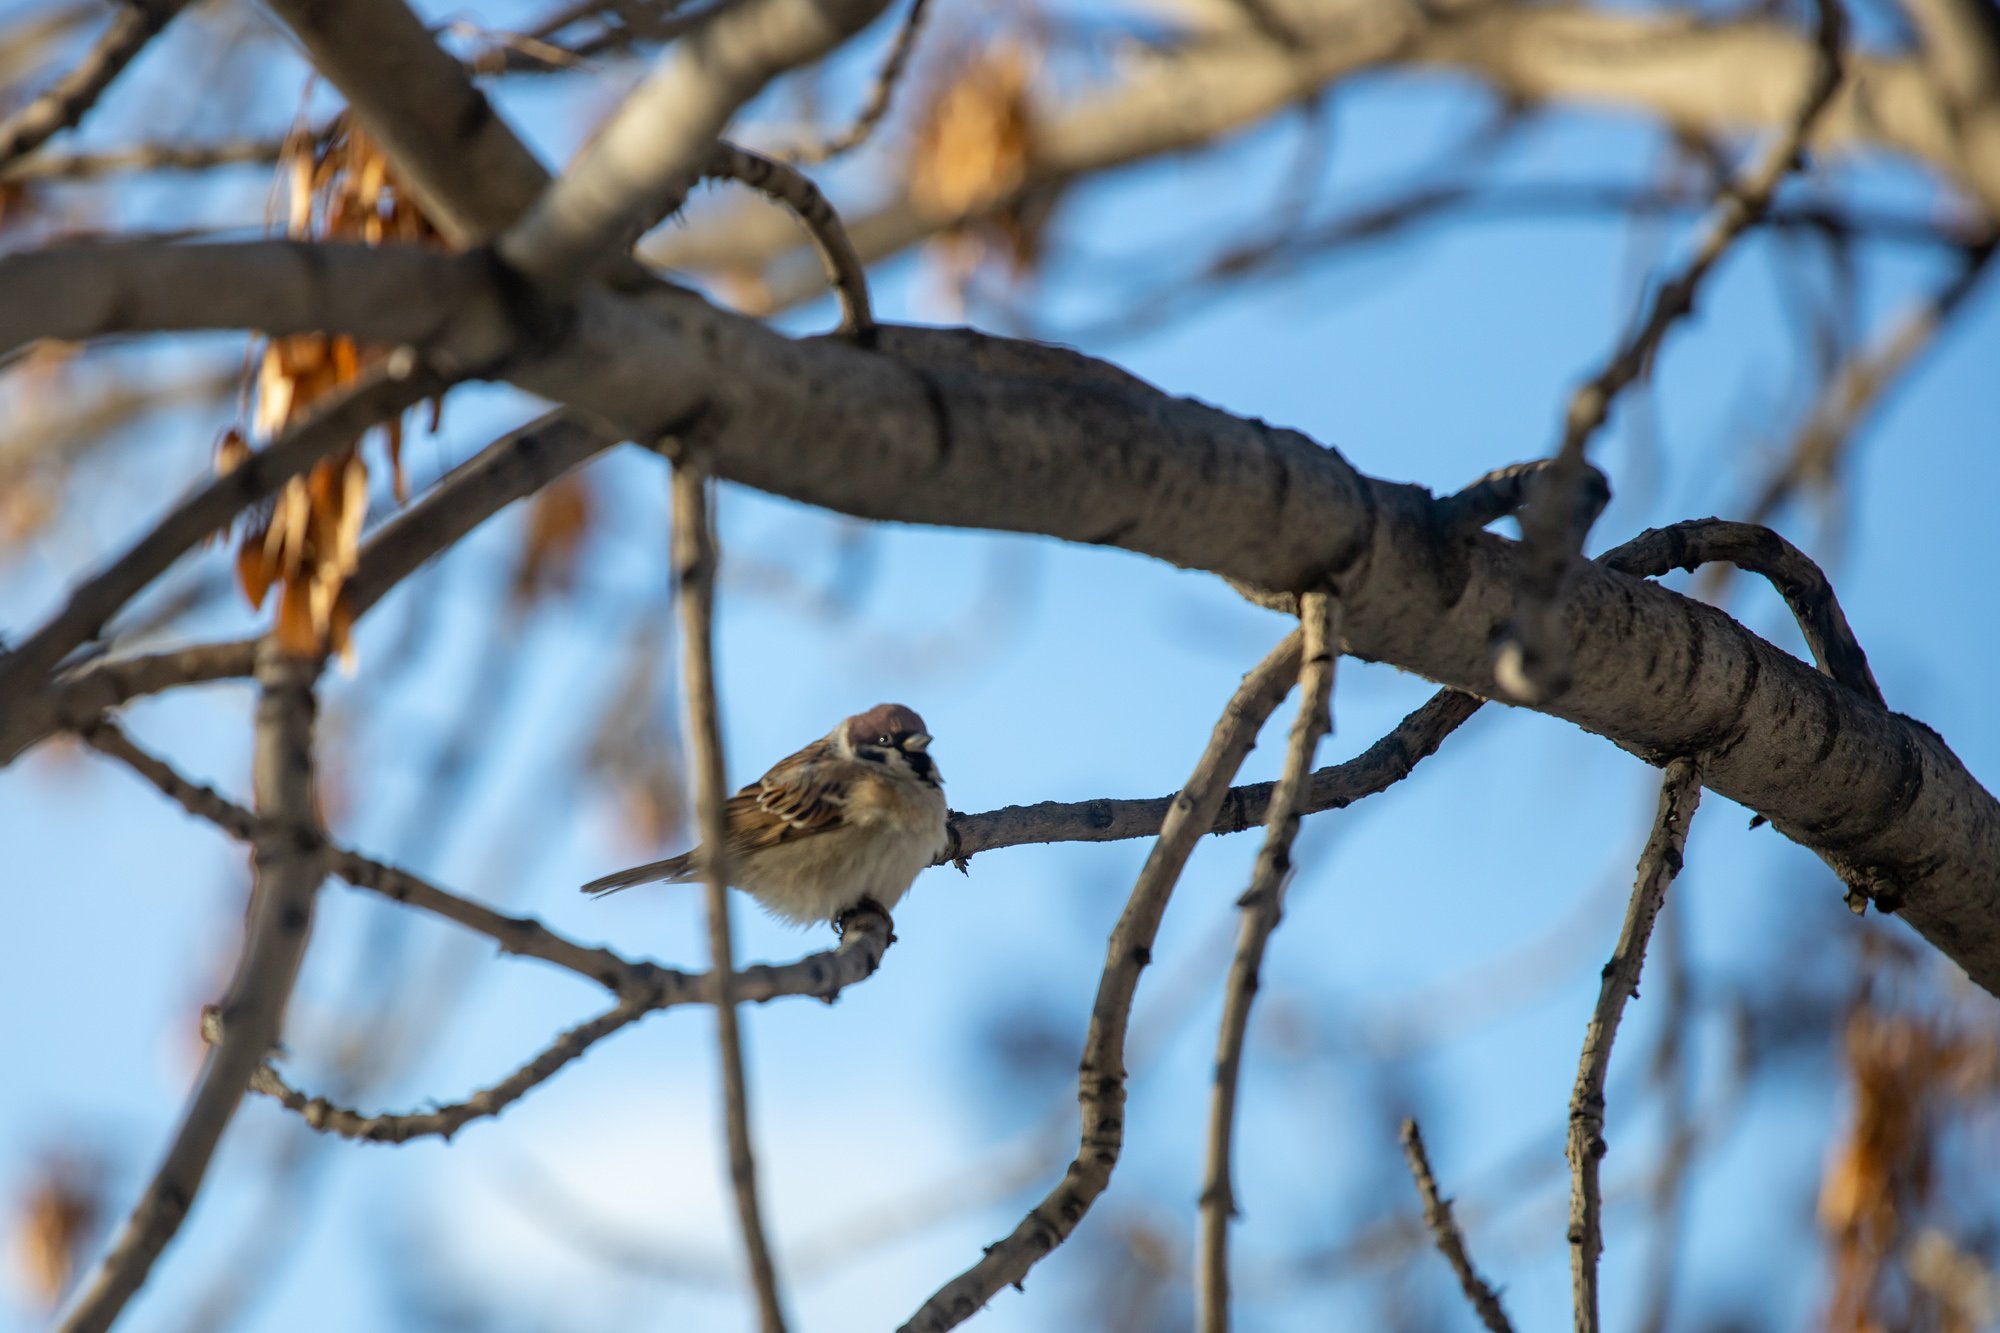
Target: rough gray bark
(954, 428)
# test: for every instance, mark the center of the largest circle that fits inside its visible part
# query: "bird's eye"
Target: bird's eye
(882, 740)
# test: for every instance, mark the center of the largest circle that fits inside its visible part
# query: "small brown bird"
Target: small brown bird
(854, 816)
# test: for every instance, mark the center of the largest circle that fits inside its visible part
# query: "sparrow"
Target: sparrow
(851, 818)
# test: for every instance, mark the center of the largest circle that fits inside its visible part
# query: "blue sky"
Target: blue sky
(1441, 946)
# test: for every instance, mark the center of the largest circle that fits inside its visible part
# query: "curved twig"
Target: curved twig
(787, 185)
(1263, 904)
(1101, 1086)
(1758, 550)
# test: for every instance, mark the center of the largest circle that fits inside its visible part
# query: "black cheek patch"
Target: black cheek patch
(871, 754)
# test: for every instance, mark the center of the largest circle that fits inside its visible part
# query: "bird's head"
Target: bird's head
(892, 735)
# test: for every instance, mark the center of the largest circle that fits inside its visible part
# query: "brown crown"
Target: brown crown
(891, 720)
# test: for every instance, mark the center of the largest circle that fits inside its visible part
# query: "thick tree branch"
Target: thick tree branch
(65, 104)
(467, 170)
(694, 560)
(1680, 792)
(390, 295)
(949, 427)
(1101, 1087)
(288, 872)
(1263, 905)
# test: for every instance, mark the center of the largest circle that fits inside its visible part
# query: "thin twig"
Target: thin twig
(1864, 381)
(513, 466)
(789, 186)
(1444, 1230)
(1504, 491)
(1667, 1197)
(288, 874)
(84, 166)
(1530, 664)
(1382, 765)
(694, 575)
(445, 1121)
(1101, 1085)
(1263, 905)
(72, 96)
(875, 107)
(821, 975)
(1680, 792)
(398, 381)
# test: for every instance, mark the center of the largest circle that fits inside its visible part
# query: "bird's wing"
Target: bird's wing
(801, 796)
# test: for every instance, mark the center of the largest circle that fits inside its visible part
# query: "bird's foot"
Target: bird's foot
(866, 906)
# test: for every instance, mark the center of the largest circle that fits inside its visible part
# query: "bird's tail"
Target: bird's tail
(674, 867)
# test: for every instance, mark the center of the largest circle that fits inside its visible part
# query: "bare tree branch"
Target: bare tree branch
(1263, 904)
(1961, 44)
(638, 168)
(1529, 664)
(513, 466)
(1758, 550)
(1506, 490)
(1862, 382)
(1444, 1230)
(790, 187)
(84, 166)
(877, 105)
(694, 558)
(397, 382)
(1680, 792)
(823, 976)
(1714, 81)
(445, 1121)
(288, 874)
(70, 99)
(949, 427)
(1101, 1088)
(1382, 765)
(466, 169)
(387, 295)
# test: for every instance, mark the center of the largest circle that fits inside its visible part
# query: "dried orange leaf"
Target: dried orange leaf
(255, 570)
(297, 634)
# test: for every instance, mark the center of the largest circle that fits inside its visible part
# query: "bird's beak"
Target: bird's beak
(920, 741)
